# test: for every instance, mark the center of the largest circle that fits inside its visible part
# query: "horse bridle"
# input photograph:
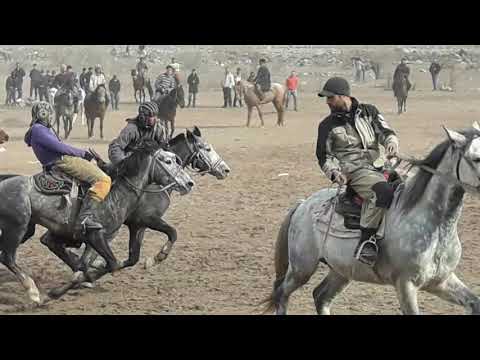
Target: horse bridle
(474, 190)
(153, 164)
(196, 155)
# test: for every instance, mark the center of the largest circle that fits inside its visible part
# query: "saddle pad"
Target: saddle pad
(48, 183)
(321, 217)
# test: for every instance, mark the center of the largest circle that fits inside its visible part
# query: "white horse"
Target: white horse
(81, 108)
(420, 249)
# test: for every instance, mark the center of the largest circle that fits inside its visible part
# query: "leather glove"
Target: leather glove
(88, 156)
(339, 178)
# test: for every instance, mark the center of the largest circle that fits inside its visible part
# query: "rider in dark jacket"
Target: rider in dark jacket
(262, 81)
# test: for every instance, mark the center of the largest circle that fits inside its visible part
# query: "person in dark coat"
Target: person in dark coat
(435, 69)
(193, 82)
(114, 88)
(19, 75)
(35, 79)
(262, 81)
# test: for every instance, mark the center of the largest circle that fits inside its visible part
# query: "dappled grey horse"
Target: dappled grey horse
(22, 205)
(420, 249)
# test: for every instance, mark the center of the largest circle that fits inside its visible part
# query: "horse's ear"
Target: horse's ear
(456, 138)
(476, 125)
(190, 135)
(196, 131)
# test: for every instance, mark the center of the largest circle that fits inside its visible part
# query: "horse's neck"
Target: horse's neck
(180, 150)
(442, 199)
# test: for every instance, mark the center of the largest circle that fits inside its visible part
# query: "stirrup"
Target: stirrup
(360, 257)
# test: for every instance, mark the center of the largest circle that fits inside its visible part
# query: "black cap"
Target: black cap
(335, 86)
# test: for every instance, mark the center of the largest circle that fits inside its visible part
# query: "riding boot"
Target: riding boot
(367, 249)
(86, 218)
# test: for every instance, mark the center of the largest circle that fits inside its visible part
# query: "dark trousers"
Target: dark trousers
(435, 81)
(291, 93)
(227, 97)
(192, 96)
(43, 93)
(237, 98)
(115, 99)
(34, 88)
(19, 90)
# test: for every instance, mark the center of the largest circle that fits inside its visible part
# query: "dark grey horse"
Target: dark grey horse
(420, 249)
(192, 151)
(63, 104)
(22, 205)
(168, 107)
(96, 105)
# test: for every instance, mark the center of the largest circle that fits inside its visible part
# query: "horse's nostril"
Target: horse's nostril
(191, 183)
(227, 171)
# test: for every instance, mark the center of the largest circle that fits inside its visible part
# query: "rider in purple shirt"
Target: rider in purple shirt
(50, 150)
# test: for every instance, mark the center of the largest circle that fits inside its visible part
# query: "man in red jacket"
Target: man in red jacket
(292, 85)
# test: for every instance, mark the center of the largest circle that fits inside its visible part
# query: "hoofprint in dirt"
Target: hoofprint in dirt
(222, 262)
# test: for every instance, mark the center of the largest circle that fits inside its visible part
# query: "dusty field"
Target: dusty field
(222, 262)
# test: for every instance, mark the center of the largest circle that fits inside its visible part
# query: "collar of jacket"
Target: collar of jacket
(349, 116)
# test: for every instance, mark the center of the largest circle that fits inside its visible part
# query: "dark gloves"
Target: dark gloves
(88, 156)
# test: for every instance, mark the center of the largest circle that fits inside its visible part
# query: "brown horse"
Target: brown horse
(140, 82)
(276, 96)
(96, 105)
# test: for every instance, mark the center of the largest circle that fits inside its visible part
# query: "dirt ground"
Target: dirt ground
(222, 262)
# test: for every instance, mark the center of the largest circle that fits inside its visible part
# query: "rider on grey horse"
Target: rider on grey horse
(166, 82)
(143, 126)
(52, 152)
(402, 70)
(347, 146)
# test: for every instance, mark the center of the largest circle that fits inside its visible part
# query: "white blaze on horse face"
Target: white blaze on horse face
(175, 171)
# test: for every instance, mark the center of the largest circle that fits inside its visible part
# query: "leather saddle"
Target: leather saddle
(55, 182)
(349, 203)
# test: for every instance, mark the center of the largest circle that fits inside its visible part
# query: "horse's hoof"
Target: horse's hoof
(55, 293)
(87, 285)
(149, 263)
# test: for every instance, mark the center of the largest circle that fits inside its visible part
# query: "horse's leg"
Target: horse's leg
(407, 296)
(329, 288)
(97, 241)
(101, 126)
(280, 112)
(455, 291)
(249, 114)
(162, 226)
(134, 245)
(399, 105)
(172, 127)
(56, 246)
(7, 257)
(405, 105)
(294, 279)
(58, 124)
(260, 114)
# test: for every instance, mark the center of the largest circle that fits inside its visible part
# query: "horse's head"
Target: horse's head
(468, 144)
(200, 155)
(3, 136)
(101, 94)
(151, 164)
(169, 171)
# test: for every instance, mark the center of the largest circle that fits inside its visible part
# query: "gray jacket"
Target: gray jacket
(130, 137)
(350, 141)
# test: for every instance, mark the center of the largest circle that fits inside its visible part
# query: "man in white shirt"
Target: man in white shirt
(227, 84)
(97, 79)
(237, 88)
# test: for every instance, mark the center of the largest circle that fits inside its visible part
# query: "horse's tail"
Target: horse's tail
(281, 259)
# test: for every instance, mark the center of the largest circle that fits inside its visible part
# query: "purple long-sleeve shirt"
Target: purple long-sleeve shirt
(47, 147)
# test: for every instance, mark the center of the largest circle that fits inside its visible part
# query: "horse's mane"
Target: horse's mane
(180, 137)
(413, 193)
(130, 165)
